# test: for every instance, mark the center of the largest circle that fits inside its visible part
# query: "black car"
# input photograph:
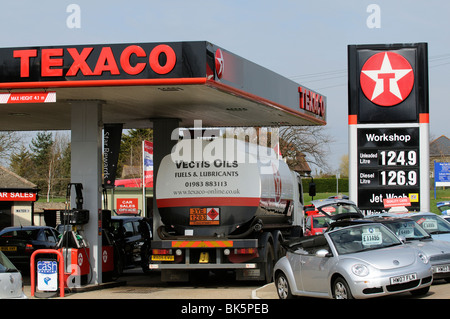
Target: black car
(18, 243)
(132, 237)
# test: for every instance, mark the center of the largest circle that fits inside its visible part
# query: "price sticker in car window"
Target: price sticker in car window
(406, 230)
(428, 224)
(371, 236)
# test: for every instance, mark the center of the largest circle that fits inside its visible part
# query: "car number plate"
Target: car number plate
(440, 269)
(8, 248)
(163, 257)
(403, 279)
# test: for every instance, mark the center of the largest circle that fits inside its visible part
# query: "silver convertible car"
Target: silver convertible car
(360, 261)
(11, 283)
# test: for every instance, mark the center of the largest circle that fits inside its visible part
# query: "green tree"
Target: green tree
(65, 162)
(46, 164)
(343, 166)
(22, 163)
(8, 143)
(59, 165)
(131, 149)
(41, 147)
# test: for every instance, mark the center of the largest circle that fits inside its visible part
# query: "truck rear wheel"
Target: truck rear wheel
(269, 262)
(279, 251)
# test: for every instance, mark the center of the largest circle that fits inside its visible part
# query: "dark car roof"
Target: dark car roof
(126, 217)
(305, 241)
(11, 228)
(350, 222)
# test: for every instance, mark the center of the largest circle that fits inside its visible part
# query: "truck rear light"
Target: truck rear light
(162, 251)
(245, 251)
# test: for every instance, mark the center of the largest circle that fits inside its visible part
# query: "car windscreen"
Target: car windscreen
(443, 207)
(432, 224)
(321, 221)
(360, 238)
(339, 208)
(6, 265)
(410, 230)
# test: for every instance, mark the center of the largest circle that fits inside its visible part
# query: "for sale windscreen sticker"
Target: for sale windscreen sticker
(372, 236)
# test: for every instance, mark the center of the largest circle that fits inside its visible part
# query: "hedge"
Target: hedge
(326, 185)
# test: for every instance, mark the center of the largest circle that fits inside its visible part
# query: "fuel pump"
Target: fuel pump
(72, 244)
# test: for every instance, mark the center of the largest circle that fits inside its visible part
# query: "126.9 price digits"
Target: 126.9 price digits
(398, 178)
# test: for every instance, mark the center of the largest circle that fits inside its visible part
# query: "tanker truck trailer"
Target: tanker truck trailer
(223, 205)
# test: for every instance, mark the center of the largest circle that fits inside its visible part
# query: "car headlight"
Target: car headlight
(360, 270)
(423, 258)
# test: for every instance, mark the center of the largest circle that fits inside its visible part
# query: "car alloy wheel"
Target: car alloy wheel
(283, 290)
(341, 289)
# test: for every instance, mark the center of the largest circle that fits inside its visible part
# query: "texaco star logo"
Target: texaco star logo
(219, 63)
(80, 259)
(386, 78)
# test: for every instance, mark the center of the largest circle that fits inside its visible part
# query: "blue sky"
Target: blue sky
(305, 41)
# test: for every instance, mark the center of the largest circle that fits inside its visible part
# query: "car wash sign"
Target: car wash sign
(388, 126)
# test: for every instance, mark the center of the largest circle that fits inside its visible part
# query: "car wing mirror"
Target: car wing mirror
(402, 239)
(323, 253)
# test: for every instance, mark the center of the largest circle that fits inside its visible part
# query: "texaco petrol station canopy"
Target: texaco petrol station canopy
(141, 85)
(137, 82)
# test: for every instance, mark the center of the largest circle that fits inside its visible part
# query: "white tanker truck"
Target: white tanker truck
(223, 204)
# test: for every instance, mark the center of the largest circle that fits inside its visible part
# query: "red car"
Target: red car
(316, 223)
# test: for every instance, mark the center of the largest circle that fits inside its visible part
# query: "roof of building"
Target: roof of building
(9, 179)
(440, 146)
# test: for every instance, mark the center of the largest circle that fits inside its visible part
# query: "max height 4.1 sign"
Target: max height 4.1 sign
(388, 126)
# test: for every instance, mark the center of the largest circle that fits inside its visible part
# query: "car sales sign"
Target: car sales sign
(388, 126)
(18, 196)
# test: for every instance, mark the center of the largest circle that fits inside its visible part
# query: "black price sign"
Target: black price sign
(388, 166)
